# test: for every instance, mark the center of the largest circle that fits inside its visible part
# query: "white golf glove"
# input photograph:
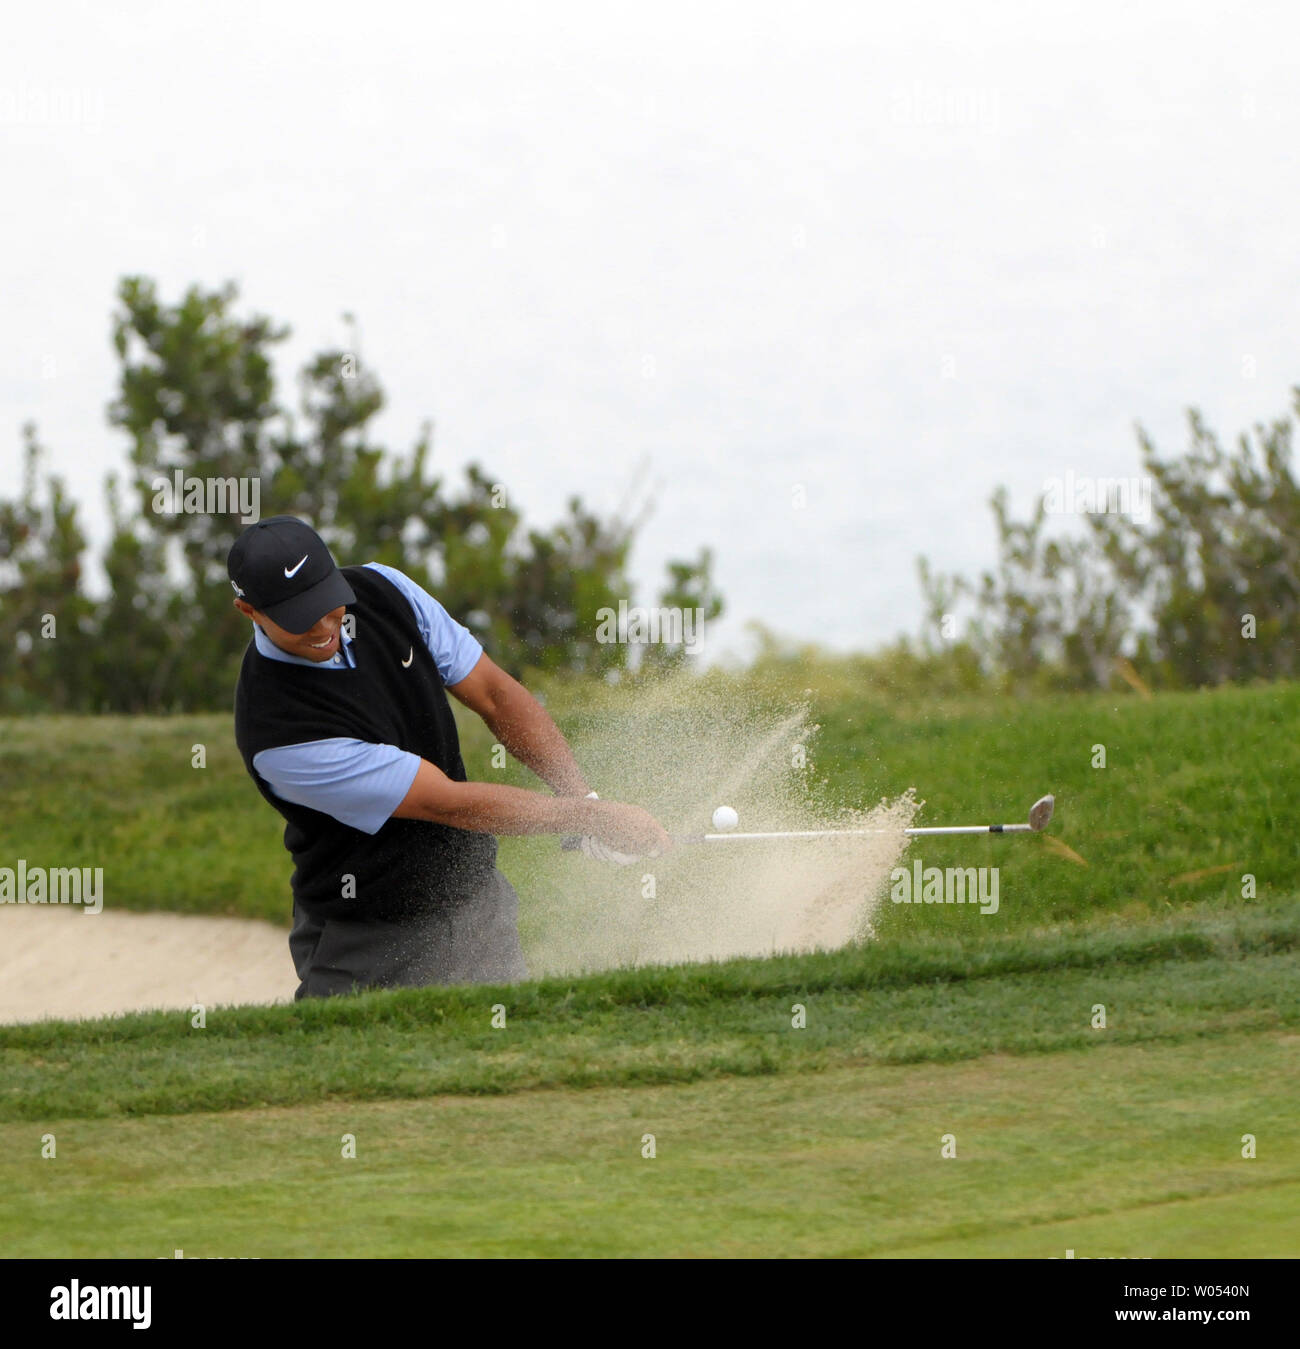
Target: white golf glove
(602, 852)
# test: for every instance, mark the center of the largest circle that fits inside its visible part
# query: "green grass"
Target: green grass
(1132, 1152)
(771, 1140)
(1193, 782)
(924, 1000)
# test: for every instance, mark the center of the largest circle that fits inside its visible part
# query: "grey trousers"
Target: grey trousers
(472, 943)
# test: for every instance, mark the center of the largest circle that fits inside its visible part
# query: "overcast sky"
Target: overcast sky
(889, 255)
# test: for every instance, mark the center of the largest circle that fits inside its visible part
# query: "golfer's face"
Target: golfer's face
(320, 643)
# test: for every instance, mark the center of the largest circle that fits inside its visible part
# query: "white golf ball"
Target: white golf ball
(725, 818)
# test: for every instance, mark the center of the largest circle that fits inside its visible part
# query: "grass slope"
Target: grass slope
(1193, 782)
(923, 1000)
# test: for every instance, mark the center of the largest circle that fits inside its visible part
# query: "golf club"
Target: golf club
(1039, 815)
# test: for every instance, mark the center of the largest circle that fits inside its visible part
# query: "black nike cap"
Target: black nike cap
(283, 569)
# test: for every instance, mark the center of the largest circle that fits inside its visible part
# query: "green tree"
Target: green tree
(45, 617)
(692, 590)
(197, 402)
(1204, 590)
(1220, 553)
(1049, 613)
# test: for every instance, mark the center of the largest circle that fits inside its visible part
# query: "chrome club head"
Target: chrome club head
(1041, 812)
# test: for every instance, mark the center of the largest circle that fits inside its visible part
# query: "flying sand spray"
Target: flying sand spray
(725, 820)
(678, 752)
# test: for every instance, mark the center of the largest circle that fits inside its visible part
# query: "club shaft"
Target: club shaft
(860, 833)
(1040, 813)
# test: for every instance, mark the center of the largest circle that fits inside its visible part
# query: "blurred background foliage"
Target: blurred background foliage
(196, 395)
(1202, 590)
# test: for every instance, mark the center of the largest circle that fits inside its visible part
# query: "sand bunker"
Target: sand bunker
(57, 962)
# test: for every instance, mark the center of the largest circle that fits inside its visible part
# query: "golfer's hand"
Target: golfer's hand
(625, 835)
(594, 848)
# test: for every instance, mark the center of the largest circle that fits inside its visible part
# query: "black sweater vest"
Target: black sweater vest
(410, 867)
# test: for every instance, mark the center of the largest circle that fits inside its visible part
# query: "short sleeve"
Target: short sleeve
(358, 783)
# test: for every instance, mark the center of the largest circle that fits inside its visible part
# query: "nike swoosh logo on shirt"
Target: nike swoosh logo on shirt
(410, 656)
(291, 572)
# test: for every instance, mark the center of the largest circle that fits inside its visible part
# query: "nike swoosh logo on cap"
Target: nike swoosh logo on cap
(410, 656)
(291, 572)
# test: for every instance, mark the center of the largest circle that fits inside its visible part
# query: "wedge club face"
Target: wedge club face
(1041, 812)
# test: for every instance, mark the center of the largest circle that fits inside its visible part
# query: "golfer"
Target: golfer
(342, 718)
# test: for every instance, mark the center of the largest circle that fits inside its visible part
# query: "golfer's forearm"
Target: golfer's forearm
(524, 727)
(489, 808)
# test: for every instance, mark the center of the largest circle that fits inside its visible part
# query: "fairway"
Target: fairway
(1131, 1151)
(768, 1140)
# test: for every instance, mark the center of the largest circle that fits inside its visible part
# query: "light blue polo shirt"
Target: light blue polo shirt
(355, 781)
